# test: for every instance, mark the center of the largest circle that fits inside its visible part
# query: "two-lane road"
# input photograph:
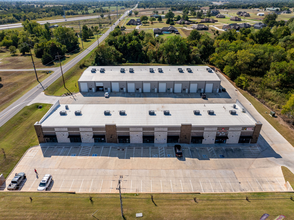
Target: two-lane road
(15, 107)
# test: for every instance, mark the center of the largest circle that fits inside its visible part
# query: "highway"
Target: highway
(18, 105)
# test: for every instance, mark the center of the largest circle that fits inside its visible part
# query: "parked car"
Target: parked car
(45, 182)
(16, 181)
(178, 150)
(203, 96)
(106, 94)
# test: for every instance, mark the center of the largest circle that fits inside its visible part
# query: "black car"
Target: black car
(203, 96)
(178, 150)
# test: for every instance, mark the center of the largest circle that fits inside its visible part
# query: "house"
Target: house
(199, 27)
(243, 13)
(245, 25)
(214, 12)
(259, 25)
(157, 31)
(155, 16)
(170, 29)
(231, 26)
(182, 21)
(260, 14)
(134, 22)
(272, 9)
(220, 16)
(235, 18)
(286, 12)
(208, 20)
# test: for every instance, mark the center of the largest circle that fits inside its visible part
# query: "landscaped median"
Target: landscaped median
(163, 206)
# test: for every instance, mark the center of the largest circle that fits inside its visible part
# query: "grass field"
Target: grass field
(165, 206)
(289, 176)
(18, 134)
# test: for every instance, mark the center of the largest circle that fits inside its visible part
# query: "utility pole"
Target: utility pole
(61, 71)
(64, 13)
(81, 35)
(121, 205)
(34, 66)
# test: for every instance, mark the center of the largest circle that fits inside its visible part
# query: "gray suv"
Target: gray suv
(16, 181)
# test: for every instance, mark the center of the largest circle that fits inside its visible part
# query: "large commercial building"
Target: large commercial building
(146, 79)
(148, 123)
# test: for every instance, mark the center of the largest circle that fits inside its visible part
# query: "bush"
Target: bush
(46, 59)
(12, 50)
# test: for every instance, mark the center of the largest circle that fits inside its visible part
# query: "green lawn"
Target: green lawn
(168, 206)
(289, 176)
(18, 135)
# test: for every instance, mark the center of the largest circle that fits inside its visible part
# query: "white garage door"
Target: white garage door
(208, 88)
(115, 87)
(146, 87)
(131, 87)
(99, 84)
(178, 88)
(193, 88)
(84, 87)
(162, 87)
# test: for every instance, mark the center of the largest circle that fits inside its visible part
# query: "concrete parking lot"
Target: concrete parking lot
(147, 168)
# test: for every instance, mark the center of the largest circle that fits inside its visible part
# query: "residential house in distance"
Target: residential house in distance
(214, 12)
(155, 16)
(243, 13)
(272, 9)
(231, 26)
(259, 25)
(165, 30)
(199, 27)
(208, 20)
(182, 21)
(220, 16)
(134, 22)
(235, 18)
(245, 25)
(260, 14)
(286, 12)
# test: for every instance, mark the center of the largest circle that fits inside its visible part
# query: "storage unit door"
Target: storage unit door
(162, 87)
(131, 87)
(115, 87)
(146, 87)
(193, 88)
(178, 88)
(208, 88)
(84, 87)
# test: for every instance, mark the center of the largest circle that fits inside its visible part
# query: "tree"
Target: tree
(288, 109)
(168, 21)
(85, 33)
(107, 55)
(144, 19)
(12, 50)
(47, 59)
(159, 19)
(6, 42)
(136, 13)
(162, 12)
(102, 16)
(67, 37)
(151, 19)
(270, 19)
(170, 15)
(194, 35)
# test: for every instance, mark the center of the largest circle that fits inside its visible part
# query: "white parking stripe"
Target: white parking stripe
(45, 151)
(201, 186)
(126, 153)
(211, 185)
(259, 184)
(61, 151)
(191, 186)
(250, 185)
(269, 184)
(69, 151)
(101, 151)
(91, 185)
(181, 185)
(81, 185)
(109, 151)
(161, 184)
(61, 185)
(280, 184)
(90, 151)
(101, 185)
(231, 186)
(71, 184)
(221, 186)
(32, 184)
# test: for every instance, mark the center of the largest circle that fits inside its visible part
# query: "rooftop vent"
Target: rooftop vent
(234, 106)
(63, 112)
(122, 70)
(151, 70)
(102, 70)
(106, 112)
(78, 112)
(166, 112)
(66, 107)
(233, 112)
(151, 112)
(196, 112)
(210, 112)
(189, 70)
(160, 70)
(243, 110)
(93, 70)
(122, 112)
(180, 70)
(131, 70)
(209, 70)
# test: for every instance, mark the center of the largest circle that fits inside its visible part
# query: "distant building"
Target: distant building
(208, 20)
(245, 25)
(286, 12)
(272, 9)
(259, 25)
(199, 27)
(231, 26)
(155, 16)
(235, 18)
(182, 21)
(220, 16)
(170, 29)
(260, 14)
(243, 13)
(214, 12)
(134, 22)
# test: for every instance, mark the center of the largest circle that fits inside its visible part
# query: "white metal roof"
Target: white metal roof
(142, 73)
(137, 115)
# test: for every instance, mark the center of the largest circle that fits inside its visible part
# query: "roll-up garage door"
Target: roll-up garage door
(146, 87)
(84, 87)
(131, 87)
(178, 88)
(193, 87)
(208, 88)
(115, 87)
(162, 87)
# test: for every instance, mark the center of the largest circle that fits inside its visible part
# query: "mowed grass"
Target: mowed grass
(289, 176)
(168, 206)
(18, 134)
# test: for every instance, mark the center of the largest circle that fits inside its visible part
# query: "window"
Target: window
(148, 139)
(50, 138)
(99, 138)
(172, 139)
(75, 138)
(123, 139)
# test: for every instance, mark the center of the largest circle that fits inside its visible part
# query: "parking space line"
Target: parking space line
(32, 184)
(90, 151)
(61, 185)
(161, 184)
(150, 152)
(210, 185)
(269, 184)
(69, 151)
(201, 186)
(197, 153)
(191, 186)
(46, 150)
(151, 185)
(181, 185)
(71, 184)
(91, 185)
(171, 185)
(109, 151)
(221, 186)
(126, 153)
(111, 184)
(259, 184)
(231, 186)
(81, 185)
(280, 184)
(101, 185)
(250, 186)
(190, 152)
(80, 150)
(101, 151)
(61, 151)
